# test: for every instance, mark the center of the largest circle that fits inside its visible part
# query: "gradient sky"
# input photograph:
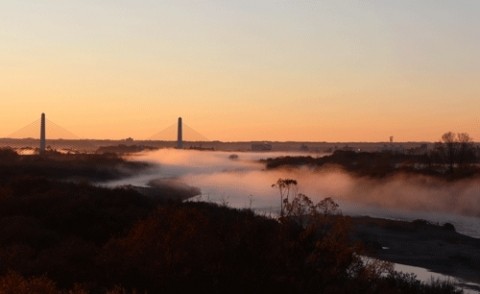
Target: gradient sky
(243, 70)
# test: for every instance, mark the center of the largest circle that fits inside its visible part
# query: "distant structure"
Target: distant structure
(179, 134)
(43, 140)
(261, 146)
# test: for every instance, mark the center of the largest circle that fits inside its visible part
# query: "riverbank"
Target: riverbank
(438, 248)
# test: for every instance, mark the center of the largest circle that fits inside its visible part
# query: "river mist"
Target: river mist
(242, 181)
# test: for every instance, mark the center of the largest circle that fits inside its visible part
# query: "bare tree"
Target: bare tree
(450, 149)
(456, 149)
(285, 187)
(299, 207)
(466, 149)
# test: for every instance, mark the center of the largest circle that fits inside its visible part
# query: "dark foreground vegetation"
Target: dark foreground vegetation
(60, 236)
(75, 167)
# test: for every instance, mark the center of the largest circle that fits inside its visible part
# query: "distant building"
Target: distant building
(393, 148)
(420, 150)
(201, 148)
(261, 146)
(349, 148)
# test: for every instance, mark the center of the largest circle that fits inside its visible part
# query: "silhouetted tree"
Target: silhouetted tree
(450, 151)
(466, 149)
(456, 149)
(285, 187)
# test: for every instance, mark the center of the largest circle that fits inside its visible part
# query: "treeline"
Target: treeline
(124, 149)
(439, 162)
(375, 164)
(454, 156)
(78, 167)
(70, 237)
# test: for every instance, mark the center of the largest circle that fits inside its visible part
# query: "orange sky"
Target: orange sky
(255, 70)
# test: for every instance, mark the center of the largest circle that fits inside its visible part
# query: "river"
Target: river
(240, 180)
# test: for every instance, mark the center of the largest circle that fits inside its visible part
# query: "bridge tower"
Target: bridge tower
(43, 140)
(179, 134)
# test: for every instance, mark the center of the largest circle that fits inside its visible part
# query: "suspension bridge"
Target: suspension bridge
(171, 133)
(45, 135)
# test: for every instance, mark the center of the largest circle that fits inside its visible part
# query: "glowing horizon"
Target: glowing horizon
(336, 71)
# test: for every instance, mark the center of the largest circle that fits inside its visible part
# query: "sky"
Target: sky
(243, 70)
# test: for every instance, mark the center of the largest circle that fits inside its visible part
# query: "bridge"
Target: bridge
(178, 130)
(44, 135)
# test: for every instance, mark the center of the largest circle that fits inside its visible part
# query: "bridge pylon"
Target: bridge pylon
(179, 134)
(43, 139)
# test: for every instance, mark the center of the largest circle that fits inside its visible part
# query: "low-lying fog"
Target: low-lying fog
(243, 182)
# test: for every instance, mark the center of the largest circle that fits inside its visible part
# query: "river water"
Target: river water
(239, 180)
(244, 183)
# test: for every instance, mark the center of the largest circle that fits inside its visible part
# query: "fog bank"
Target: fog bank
(243, 182)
